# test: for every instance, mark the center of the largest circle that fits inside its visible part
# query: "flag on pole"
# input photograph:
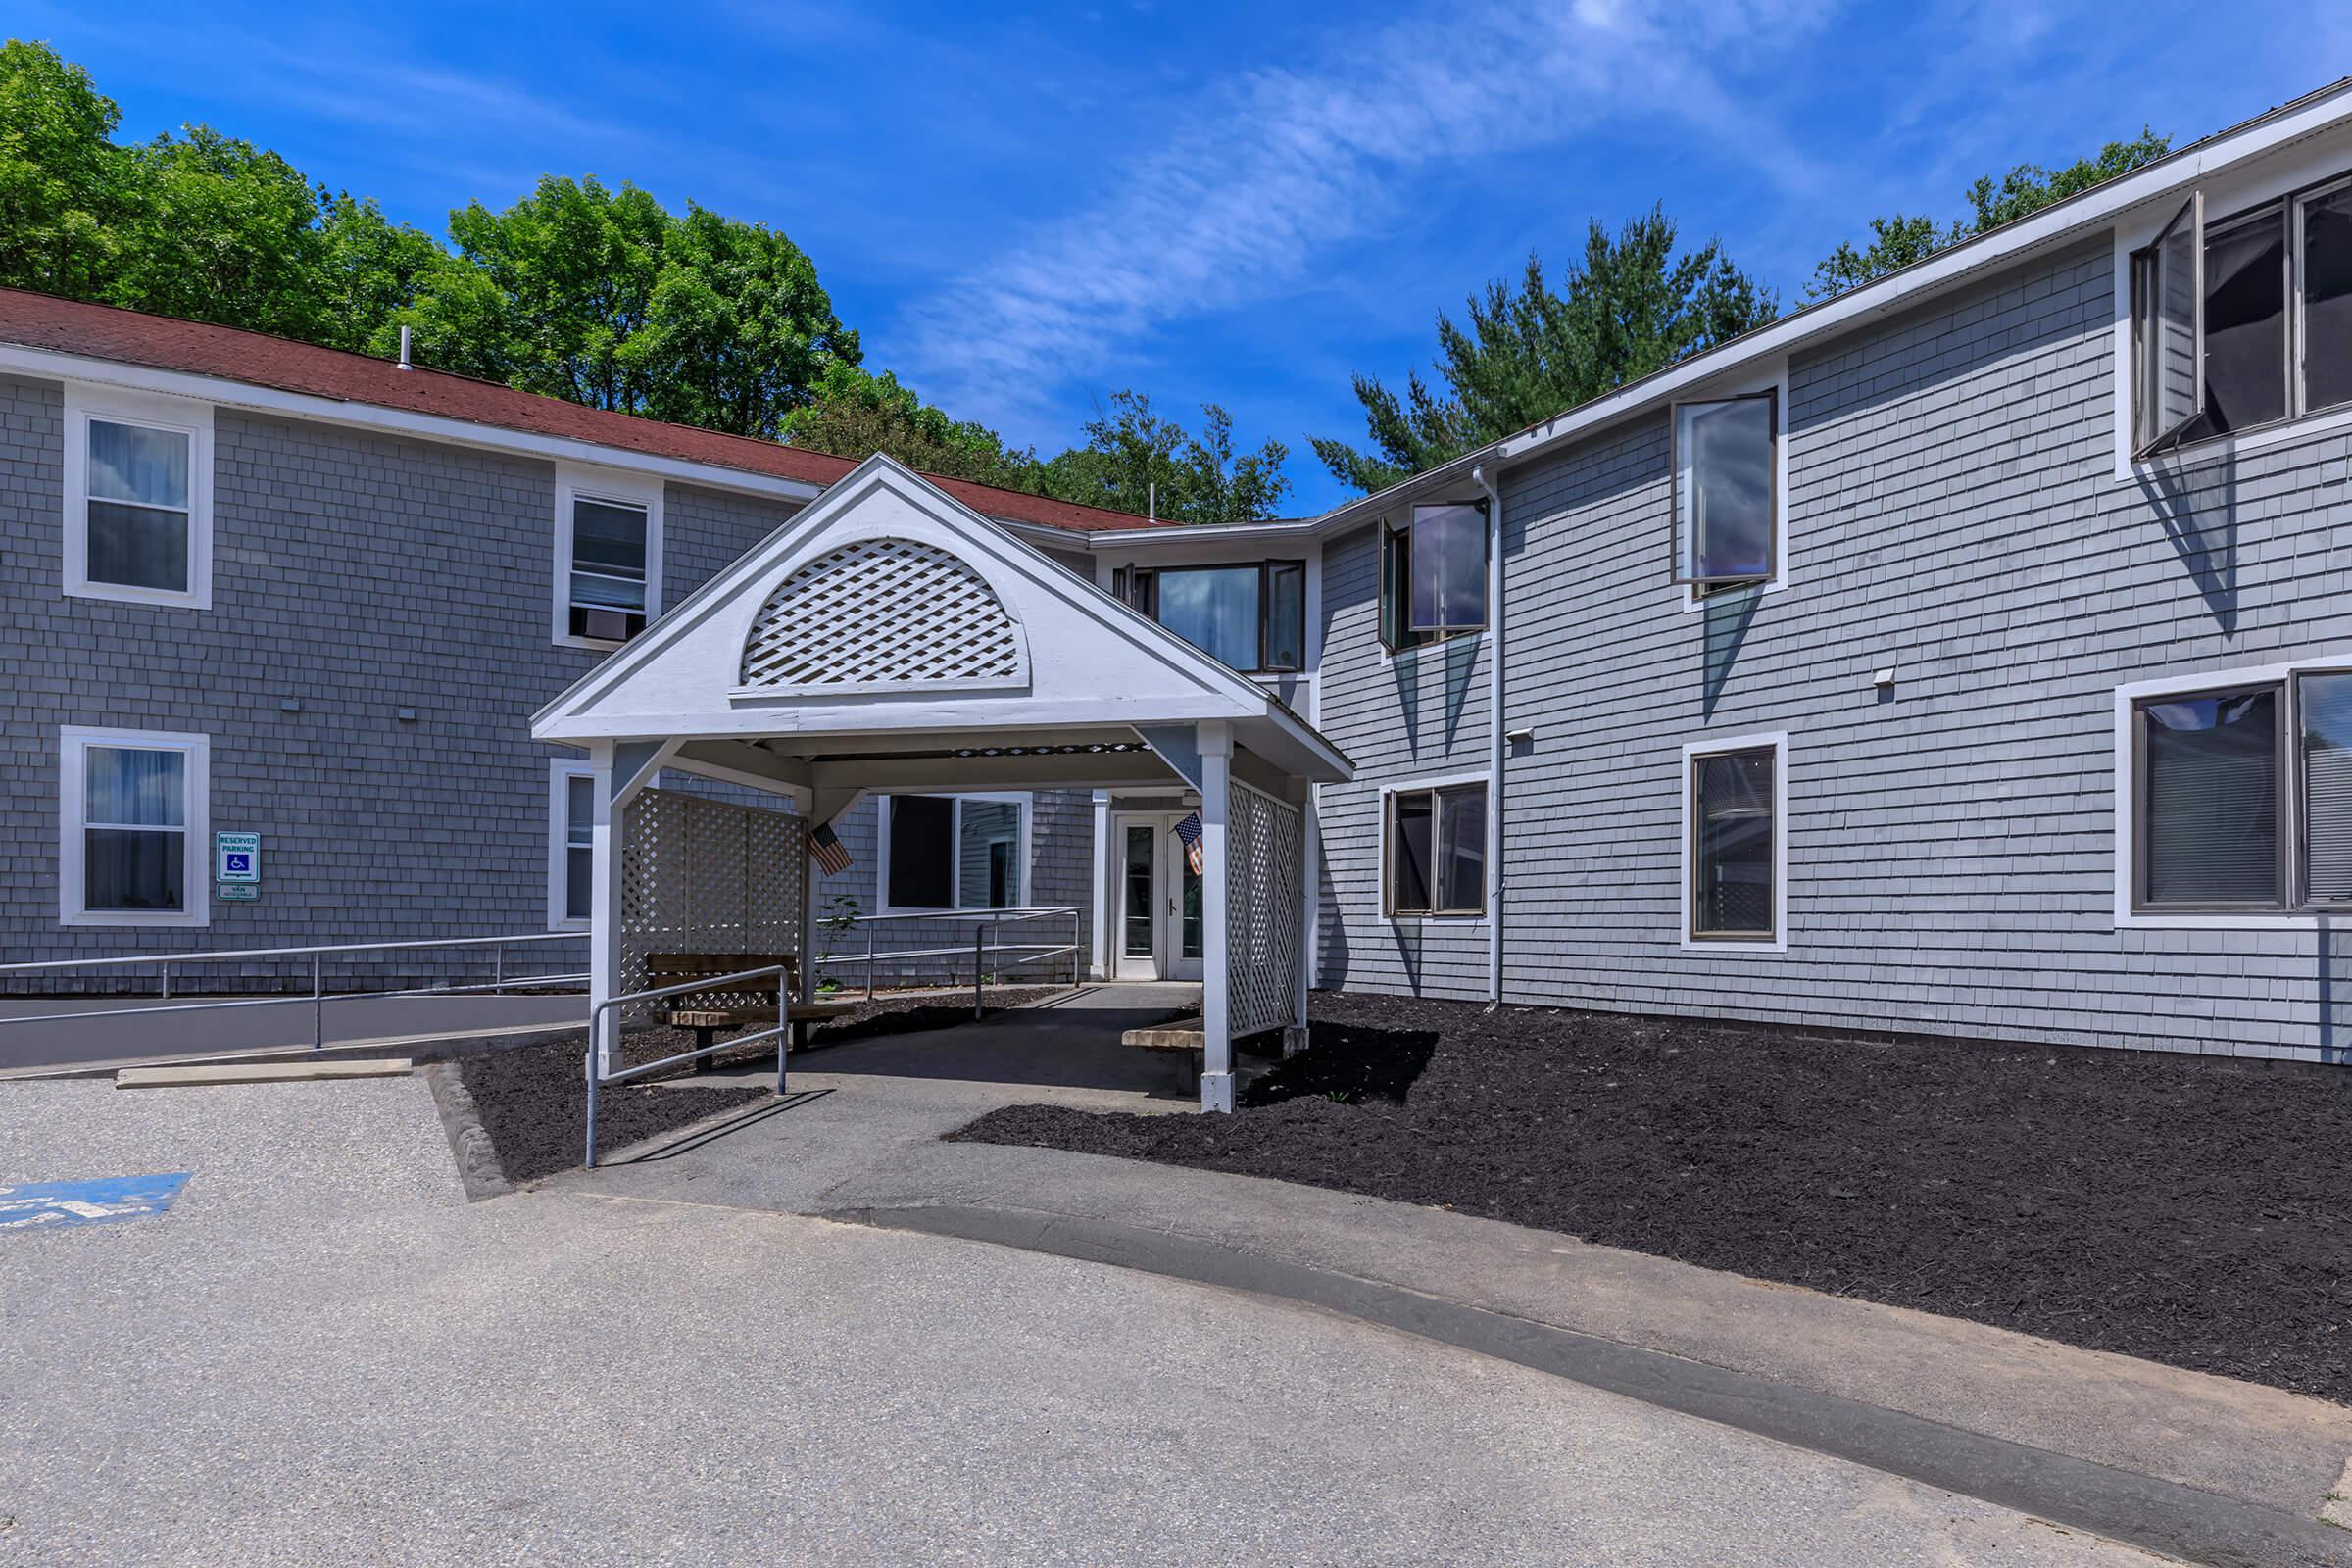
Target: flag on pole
(826, 851)
(1189, 830)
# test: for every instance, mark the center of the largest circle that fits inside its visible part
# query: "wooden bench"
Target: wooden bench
(1187, 1036)
(738, 1005)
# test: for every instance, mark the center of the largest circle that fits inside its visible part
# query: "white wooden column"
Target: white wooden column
(603, 923)
(1106, 889)
(1310, 848)
(1216, 1010)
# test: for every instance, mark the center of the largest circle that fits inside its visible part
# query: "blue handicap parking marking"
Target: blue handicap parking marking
(100, 1201)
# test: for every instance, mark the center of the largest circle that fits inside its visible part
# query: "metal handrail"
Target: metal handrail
(720, 982)
(986, 924)
(317, 996)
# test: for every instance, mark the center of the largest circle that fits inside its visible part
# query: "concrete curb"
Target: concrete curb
(468, 1141)
(2156, 1516)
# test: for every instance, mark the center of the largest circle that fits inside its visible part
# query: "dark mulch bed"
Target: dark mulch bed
(2188, 1211)
(533, 1099)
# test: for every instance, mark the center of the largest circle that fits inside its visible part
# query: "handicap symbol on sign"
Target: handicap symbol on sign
(236, 860)
(102, 1200)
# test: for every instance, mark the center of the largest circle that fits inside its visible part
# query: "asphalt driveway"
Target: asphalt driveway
(323, 1354)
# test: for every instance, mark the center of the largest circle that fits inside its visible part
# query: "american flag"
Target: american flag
(826, 851)
(1189, 830)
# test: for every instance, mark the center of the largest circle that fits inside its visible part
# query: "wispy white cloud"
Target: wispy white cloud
(1281, 167)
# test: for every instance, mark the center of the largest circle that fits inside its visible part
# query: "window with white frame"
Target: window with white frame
(1726, 489)
(138, 499)
(1435, 847)
(2241, 797)
(1733, 846)
(2242, 319)
(133, 816)
(1433, 574)
(607, 559)
(570, 845)
(953, 852)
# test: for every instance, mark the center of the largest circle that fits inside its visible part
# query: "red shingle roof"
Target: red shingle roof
(230, 354)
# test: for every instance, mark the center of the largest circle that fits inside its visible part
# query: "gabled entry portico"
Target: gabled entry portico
(888, 639)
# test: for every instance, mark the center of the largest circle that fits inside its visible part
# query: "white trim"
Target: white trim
(1026, 800)
(1776, 383)
(2055, 224)
(74, 744)
(82, 404)
(2127, 797)
(1415, 786)
(575, 482)
(561, 771)
(1732, 946)
(96, 370)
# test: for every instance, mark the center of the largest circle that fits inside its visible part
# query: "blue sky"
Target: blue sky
(1023, 209)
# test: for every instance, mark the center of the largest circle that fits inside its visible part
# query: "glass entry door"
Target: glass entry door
(1158, 935)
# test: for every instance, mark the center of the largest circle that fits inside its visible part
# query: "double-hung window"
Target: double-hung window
(570, 845)
(607, 560)
(1433, 574)
(1252, 617)
(1733, 842)
(953, 852)
(2241, 320)
(1435, 850)
(2241, 797)
(1725, 482)
(134, 818)
(138, 483)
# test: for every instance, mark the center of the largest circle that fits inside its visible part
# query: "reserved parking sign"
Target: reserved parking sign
(236, 856)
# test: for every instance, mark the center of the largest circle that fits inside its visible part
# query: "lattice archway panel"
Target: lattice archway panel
(1265, 909)
(698, 876)
(883, 614)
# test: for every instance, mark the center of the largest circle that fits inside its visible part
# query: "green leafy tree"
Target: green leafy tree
(220, 231)
(1630, 305)
(1899, 241)
(1130, 451)
(371, 273)
(62, 178)
(853, 413)
(605, 298)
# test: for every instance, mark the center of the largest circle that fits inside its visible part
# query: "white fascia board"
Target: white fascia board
(889, 716)
(2066, 221)
(50, 365)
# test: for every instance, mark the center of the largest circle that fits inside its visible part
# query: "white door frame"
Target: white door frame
(1165, 960)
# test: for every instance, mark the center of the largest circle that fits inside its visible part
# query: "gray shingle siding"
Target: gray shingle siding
(1422, 714)
(1953, 513)
(355, 573)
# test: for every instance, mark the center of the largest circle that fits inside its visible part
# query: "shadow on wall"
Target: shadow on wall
(1461, 658)
(2335, 993)
(2197, 503)
(1331, 928)
(1724, 614)
(1407, 934)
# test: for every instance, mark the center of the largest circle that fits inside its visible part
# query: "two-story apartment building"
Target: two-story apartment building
(254, 586)
(1965, 655)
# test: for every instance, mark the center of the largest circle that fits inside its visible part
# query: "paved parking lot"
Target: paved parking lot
(322, 1354)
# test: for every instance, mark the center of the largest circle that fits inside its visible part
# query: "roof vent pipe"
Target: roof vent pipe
(403, 350)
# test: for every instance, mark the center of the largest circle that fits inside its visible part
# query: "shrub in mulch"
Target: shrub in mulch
(533, 1099)
(2189, 1210)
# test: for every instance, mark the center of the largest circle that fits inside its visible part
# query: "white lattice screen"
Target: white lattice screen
(883, 613)
(699, 875)
(1265, 912)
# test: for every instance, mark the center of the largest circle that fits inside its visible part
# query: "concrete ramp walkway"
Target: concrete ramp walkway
(2197, 1467)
